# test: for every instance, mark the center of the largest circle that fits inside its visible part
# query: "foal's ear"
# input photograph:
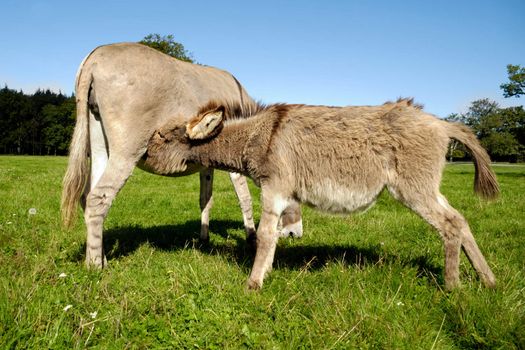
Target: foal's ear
(206, 124)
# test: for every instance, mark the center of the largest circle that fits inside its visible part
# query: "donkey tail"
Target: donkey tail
(76, 175)
(485, 183)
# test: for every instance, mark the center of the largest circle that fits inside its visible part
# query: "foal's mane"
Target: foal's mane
(233, 110)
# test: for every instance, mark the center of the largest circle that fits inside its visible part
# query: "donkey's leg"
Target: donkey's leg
(291, 221)
(99, 159)
(477, 259)
(267, 237)
(98, 154)
(454, 231)
(245, 202)
(472, 251)
(99, 201)
(206, 201)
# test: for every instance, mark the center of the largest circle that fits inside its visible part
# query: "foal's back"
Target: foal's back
(340, 158)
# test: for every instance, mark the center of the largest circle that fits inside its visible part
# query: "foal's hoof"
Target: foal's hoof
(488, 279)
(96, 262)
(253, 285)
(452, 285)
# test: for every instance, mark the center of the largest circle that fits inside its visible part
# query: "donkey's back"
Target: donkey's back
(340, 158)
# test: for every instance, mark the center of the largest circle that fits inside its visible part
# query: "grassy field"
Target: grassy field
(364, 281)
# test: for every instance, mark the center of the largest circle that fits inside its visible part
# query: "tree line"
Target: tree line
(500, 130)
(42, 123)
(39, 124)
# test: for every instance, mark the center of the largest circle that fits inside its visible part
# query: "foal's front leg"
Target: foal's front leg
(267, 237)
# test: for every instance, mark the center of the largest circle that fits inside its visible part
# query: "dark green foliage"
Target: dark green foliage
(516, 85)
(40, 123)
(168, 45)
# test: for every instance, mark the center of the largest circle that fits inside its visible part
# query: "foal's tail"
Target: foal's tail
(78, 167)
(485, 183)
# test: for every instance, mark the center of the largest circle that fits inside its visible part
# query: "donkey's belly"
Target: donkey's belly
(331, 197)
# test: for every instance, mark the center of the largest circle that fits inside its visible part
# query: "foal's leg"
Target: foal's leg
(454, 231)
(99, 201)
(245, 202)
(206, 201)
(267, 236)
(476, 258)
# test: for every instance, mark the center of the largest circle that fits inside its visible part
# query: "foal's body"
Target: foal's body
(339, 160)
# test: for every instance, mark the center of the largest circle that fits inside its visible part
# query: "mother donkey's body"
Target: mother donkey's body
(124, 92)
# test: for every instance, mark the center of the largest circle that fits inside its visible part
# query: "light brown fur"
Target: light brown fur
(339, 159)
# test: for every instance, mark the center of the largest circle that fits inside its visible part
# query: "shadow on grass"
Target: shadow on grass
(122, 241)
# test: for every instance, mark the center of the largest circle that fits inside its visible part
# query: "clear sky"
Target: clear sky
(445, 54)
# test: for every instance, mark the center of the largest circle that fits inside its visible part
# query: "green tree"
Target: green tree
(167, 45)
(500, 130)
(26, 122)
(59, 121)
(516, 85)
(456, 150)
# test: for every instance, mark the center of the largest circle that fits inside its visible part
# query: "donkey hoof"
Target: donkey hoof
(488, 280)
(96, 264)
(452, 285)
(253, 285)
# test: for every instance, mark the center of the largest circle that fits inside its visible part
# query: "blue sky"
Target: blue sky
(445, 54)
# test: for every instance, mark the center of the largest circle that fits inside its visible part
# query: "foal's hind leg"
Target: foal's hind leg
(454, 231)
(477, 259)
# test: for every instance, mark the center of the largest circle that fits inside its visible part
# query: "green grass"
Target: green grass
(365, 281)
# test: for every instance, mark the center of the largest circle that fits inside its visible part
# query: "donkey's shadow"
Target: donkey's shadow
(124, 240)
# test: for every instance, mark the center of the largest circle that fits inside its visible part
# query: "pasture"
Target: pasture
(372, 280)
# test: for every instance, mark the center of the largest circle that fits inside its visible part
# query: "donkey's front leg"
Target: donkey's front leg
(267, 237)
(206, 201)
(245, 202)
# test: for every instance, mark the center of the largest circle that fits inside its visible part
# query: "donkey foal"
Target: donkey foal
(336, 159)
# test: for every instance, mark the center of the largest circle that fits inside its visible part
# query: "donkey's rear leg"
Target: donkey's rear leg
(454, 231)
(469, 244)
(477, 259)
(98, 202)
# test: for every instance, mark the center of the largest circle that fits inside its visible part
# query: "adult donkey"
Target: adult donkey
(124, 93)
